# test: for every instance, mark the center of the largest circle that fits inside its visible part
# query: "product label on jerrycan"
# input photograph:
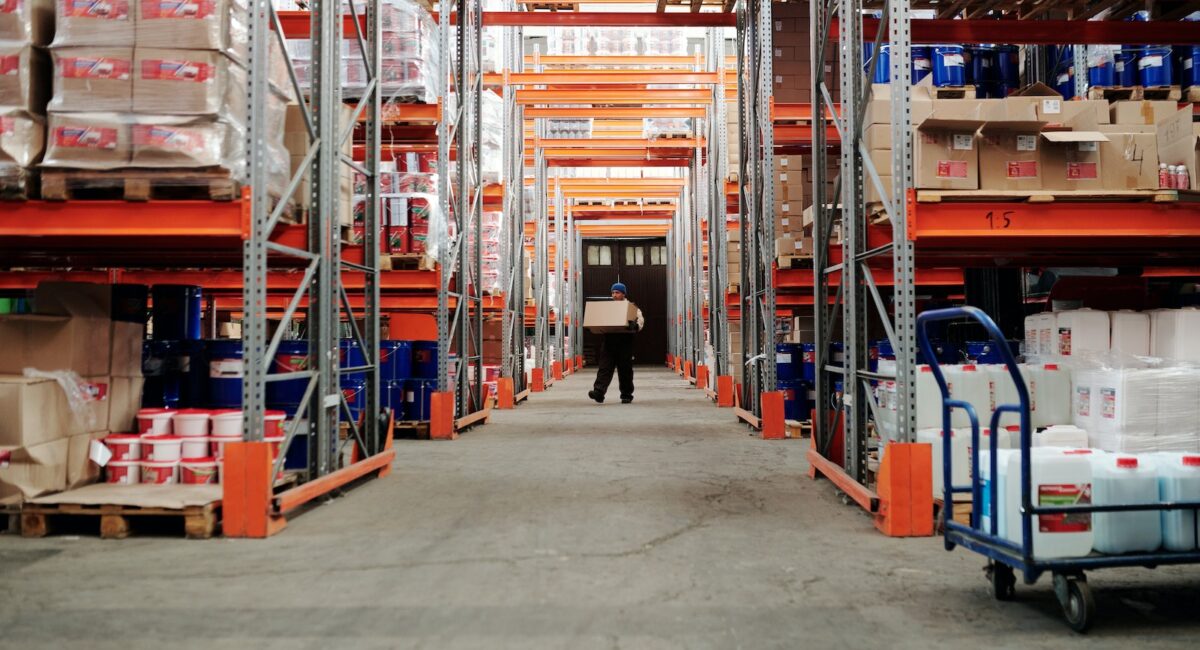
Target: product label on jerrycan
(1083, 401)
(1068, 494)
(1064, 341)
(1108, 403)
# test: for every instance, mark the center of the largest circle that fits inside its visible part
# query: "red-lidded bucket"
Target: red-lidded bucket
(195, 448)
(156, 421)
(227, 423)
(162, 448)
(160, 473)
(191, 423)
(124, 446)
(273, 424)
(123, 472)
(198, 471)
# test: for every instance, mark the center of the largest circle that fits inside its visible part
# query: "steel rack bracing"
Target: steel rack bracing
(756, 201)
(327, 297)
(459, 245)
(513, 250)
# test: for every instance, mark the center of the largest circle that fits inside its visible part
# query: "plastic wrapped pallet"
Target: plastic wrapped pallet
(187, 82)
(24, 77)
(88, 141)
(657, 127)
(221, 25)
(22, 139)
(164, 141)
(94, 23)
(27, 21)
(92, 79)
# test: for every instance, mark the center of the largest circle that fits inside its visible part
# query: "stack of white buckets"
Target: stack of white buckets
(1115, 411)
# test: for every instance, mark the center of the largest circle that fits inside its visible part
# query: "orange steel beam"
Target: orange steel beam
(529, 96)
(614, 162)
(393, 302)
(216, 279)
(786, 134)
(618, 112)
(803, 278)
(593, 77)
(620, 60)
(201, 219)
(607, 182)
(616, 143)
(797, 112)
(289, 500)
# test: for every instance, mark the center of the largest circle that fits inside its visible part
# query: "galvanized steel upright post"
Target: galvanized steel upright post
(904, 264)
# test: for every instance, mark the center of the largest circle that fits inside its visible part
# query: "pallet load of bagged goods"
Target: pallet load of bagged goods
(149, 99)
(26, 28)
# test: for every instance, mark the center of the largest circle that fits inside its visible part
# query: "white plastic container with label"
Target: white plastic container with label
(1176, 335)
(929, 399)
(1119, 479)
(1047, 335)
(1033, 346)
(1003, 391)
(959, 460)
(1178, 480)
(1126, 401)
(985, 479)
(1058, 477)
(968, 384)
(1130, 332)
(1082, 332)
(1049, 394)
(1061, 435)
(1083, 385)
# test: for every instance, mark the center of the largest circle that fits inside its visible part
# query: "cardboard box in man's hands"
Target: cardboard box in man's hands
(610, 316)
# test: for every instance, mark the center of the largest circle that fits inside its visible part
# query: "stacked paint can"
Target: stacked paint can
(948, 66)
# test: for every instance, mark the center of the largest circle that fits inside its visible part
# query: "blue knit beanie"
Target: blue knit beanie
(620, 286)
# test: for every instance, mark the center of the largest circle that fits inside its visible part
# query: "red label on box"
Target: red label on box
(1022, 169)
(397, 239)
(10, 65)
(952, 169)
(86, 137)
(8, 126)
(101, 68)
(185, 9)
(1082, 171)
(101, 9)
(167, 138)
(9, 6)
(165, 70)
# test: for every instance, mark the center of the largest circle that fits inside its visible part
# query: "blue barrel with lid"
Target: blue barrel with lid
(948, 66)
(1155, 66)
(424, 359)
(1125, 71)
(226, 368)
(395, 360)
(291, 356)
(808, 361)
(392, 396)
(354, 388)
(787, 361)
(795, 400)
(350, 355)
(176, 311)
(883, 69)
(1008, 69)
(161, 378)
(1189, 65)
(417, 393)
(922, 63)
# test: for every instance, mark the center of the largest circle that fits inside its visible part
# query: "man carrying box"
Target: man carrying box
(616, 350)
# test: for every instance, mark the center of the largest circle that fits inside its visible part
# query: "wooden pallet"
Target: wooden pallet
(733, 288)
(1163, 93)
(10, 515)
(1192, 95)
(17, 184)
(411, 430)
(794, 429)
(961, 512)
(407, 262)
(672, 136)
(626, 202)
(793, 261)
(1115, 93)
(953, 92)
(139, 184)
(1051, 196)
(117, 522)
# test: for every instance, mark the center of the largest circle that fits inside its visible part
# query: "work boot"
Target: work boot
(596, 396)
(627, 400)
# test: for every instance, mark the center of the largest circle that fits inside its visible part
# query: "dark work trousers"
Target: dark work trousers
(616, 352)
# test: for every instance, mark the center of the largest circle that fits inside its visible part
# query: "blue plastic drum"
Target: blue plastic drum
(1008, 69)
(1103, 74)
(883, 69)
(922, 63)
(795, 399)
(948, 66)
(808, 361)
(350, 355)
(161, 387)
(392, 395)
(292, 356)
(176, 312)
(1189, 66)
(787, 361)
(1155, 66)
(354, 388)
(1125, 67)
(225, 371)
(417, 393)
(395, 360)
(424, 359)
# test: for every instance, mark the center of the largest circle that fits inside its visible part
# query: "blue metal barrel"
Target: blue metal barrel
(416, 398)
(1155, 66)
(808, 363)
(424, 359)
(176, 311)
(948, 66)
(787, 361)
(292, 356)
(795, 399)
(225, 371)
(395, 360)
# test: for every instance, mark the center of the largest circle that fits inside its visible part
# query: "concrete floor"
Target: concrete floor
(567, 524)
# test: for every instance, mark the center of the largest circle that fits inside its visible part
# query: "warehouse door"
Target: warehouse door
(642, 265)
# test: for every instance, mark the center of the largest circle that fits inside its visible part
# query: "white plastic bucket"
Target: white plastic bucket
(124, 446)
(160, 472)
(191, 423)
(198, 471)
(162, 448)
(123, 472)
(227, 424)
(195, 447)
(155, 421)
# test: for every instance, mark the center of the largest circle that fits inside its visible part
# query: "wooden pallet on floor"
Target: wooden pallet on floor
(407, 262)
(1051, 196)
(117, 522)
(139, 184)
(411, 430)
(10, 515)
(794, 429)
(961, 512)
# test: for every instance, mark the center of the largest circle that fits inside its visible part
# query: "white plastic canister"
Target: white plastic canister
(1047, 333)
(1130, 332)
(1049, 394)
(960, 467)
(968, 384)
(1058, 477)
(1178, 480)
(1082, 331)
(1061, 435)
(929, 400)
(1119, 479)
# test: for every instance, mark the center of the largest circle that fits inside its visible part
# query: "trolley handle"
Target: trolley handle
(948, 404)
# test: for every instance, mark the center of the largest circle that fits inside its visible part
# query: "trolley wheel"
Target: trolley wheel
(1004, 581)
(1078, 605)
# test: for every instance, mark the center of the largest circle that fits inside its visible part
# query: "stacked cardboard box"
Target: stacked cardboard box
(45, 435)
(25, 30)
(158, 85)
(792, 55)
(296, 144)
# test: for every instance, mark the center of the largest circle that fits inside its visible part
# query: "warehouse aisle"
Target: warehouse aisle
(565, 524)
